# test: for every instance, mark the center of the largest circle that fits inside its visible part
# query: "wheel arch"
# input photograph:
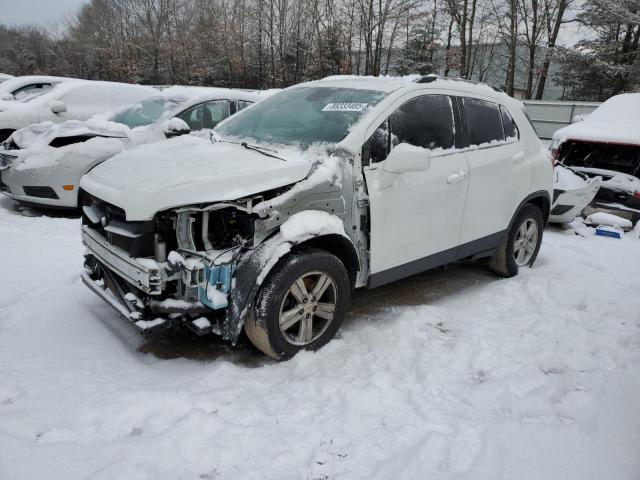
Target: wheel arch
(252, 270)
(540, 199)
(339, 246)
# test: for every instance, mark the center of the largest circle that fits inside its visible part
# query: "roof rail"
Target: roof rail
(432, 78)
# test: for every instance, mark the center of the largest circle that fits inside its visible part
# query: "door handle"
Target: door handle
(518, 158)
(456, 177)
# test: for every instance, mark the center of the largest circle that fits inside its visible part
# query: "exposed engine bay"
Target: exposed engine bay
(618, 166)
(186, 256)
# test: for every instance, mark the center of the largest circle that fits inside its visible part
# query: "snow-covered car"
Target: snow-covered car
(331, 185)
(19, 88)
(63, 100)
(572, 192)
(42, 164)
(606, 144)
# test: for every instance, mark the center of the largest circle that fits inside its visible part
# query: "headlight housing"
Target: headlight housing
(6, 160)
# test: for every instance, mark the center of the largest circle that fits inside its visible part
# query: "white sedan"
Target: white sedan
(43, 163)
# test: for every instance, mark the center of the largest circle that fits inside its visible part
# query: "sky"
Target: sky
(42, 12)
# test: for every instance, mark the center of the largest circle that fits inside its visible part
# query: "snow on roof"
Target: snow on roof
(14, 83)
(209, 93)
(383, 83)
(615, 121)
(619, 108)
(388, 83)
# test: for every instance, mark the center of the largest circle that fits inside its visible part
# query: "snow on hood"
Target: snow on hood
(188, 170)
(78, 156)
(41, 134)
(615, 121)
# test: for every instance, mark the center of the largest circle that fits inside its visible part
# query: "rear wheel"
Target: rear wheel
(520, 246)
(300, 305)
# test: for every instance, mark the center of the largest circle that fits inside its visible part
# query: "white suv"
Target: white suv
(330, 185)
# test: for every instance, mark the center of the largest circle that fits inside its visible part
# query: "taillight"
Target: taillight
(636, 195)
(555, 154)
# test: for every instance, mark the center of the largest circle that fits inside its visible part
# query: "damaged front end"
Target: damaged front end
(174, 270)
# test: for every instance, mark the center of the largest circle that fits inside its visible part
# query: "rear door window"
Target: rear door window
(484, 121)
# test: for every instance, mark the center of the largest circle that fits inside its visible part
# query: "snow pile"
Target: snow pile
(310, 223)
(41, 134)
(625, 182)
(450, 375)
(602, 218)
(296, 229)
(175, 124)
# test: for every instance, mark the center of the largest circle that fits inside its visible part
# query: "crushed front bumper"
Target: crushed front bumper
(137, 288)
(147, 328)
(147, 276)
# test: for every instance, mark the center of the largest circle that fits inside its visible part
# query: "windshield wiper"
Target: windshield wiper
(255, 148)
(263, 150)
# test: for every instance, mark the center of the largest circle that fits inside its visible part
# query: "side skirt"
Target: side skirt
(483, 247)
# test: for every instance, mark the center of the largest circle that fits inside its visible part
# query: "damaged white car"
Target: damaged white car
(341, 183)
(606, 144)
(42, 164)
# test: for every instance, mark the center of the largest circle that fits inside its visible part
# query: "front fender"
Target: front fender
(255, 265)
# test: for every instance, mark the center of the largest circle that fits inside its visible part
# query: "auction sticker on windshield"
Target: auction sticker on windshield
(345, 107)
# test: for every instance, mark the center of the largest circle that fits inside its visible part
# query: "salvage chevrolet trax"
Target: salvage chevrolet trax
(271, 221)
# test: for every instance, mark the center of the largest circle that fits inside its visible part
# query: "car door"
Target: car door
(206, 114)
(498, 170)
(415, 216)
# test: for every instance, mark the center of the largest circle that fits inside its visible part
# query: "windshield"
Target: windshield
(302, 116)
(147, 111)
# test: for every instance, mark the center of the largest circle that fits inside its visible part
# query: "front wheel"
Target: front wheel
(300, 305)
(521, 244)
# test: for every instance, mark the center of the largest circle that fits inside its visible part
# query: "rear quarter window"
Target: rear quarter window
(509, 124)
(484, 121)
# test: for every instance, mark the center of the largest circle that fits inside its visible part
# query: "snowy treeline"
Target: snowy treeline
(275, 43)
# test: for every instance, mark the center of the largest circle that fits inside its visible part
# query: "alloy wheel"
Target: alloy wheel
(525, 242)
(308, 308)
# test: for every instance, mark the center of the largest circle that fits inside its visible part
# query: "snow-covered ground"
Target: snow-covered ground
(450, 374)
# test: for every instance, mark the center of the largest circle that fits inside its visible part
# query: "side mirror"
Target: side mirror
(175, 127)
(407, 158)
(58, 106)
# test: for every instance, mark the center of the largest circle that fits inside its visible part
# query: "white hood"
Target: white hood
(187, 170)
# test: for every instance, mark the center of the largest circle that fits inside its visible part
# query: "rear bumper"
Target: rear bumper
(570, 203)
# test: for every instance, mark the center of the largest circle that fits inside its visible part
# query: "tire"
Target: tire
(281, 297)
(508, 258)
